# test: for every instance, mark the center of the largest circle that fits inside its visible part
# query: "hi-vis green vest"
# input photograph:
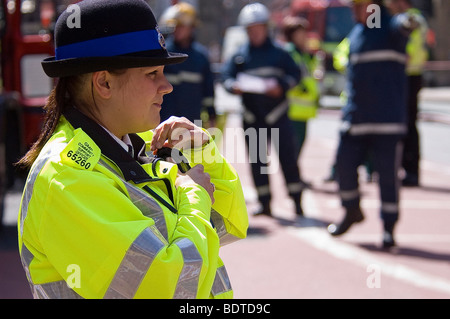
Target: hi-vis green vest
(84, 232)
(416, 48)
(340, 62)
(304, 97)
(340, 55)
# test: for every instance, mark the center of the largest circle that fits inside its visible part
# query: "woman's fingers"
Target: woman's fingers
(178, 132)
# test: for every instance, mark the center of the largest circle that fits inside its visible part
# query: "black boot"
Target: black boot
(352, 215)
(388, 235)
(411, 180)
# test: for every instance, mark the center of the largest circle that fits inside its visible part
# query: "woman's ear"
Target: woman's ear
(100, 81)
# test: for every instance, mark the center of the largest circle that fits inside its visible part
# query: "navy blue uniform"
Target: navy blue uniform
(374, 119)
(264, 114)
(192, 81)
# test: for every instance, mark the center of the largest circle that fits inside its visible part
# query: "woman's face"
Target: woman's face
(138, 98)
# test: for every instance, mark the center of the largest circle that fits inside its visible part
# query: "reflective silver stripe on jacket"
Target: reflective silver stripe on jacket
(184, 76)
(52, 290)
(268, 71)
(374, 128)
(188, 281)
(135, 264)
(221, 282)
(148, 206)
(139, 258)
(219, 224)
(208, 101)
(57, 289)
(378, 56)
(31, 179)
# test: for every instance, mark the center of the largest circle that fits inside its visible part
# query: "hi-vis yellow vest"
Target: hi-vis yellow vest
(416, 48)
(84, 232)
(304, 97)
(340, 62)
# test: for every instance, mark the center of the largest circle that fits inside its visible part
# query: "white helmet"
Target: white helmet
(254, 13)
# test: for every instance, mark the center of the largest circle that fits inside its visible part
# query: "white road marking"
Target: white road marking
(410, 204)
(435, 167)
(320, 239)
(401, 238)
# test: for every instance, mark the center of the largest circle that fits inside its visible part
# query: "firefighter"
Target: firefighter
(192, 78)
(374, 118)
(101, 216)
(262, 72)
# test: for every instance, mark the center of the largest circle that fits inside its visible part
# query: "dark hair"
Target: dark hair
(58, 101)
(67, 93)
(292, 24)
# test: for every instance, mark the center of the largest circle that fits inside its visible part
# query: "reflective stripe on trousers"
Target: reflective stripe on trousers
(138, 257)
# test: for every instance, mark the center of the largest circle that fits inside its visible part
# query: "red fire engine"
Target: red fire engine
(26, 39)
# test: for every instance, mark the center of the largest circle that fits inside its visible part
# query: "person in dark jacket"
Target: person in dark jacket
(374, 118)
(262, 72)
(194, 79)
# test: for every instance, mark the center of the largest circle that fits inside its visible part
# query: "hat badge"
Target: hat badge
(161, 39)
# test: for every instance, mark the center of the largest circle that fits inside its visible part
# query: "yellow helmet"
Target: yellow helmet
(179, 14)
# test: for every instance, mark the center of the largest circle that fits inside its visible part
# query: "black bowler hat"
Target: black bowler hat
(97, 35)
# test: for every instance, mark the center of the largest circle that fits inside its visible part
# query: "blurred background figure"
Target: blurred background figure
(374, 117)
(193, 82)
(417, 56)
(304, 97)
(340, 62)
(262, 72)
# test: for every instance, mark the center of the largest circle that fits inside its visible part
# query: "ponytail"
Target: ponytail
(58, 102)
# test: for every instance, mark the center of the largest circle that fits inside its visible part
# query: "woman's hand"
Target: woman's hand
(198, 176)
(178, 132)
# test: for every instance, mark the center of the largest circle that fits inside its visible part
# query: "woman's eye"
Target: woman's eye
(152, 74)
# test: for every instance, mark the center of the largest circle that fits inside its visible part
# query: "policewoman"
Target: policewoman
(101, 216)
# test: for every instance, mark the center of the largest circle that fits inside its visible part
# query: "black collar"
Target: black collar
(129, 166)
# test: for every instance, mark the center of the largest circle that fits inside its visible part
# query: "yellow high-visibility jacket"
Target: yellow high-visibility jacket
(85, 232)
(416, 47)
(304, 97)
